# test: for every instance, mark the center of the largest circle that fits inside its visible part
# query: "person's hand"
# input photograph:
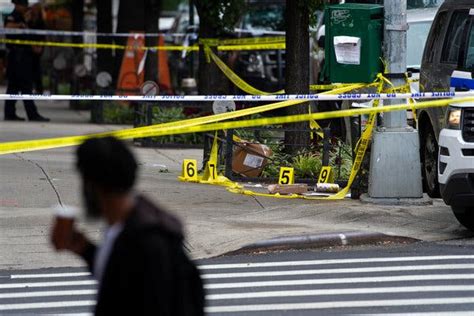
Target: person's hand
(65, 237)
(78, 243)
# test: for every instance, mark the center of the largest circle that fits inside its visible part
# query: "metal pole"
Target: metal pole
(326, 145)
(395, 168)
(395, 51)
(229, 146)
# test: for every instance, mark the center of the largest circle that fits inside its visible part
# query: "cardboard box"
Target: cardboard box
(249, 159)
(288, 188)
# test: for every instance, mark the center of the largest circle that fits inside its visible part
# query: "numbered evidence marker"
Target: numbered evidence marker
(190, 170)
(287, 176)
(326, 175)
(212, 171)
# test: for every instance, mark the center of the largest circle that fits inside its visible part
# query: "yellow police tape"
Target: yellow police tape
(244, 86)
(243, 41)
(213, 123)
(270, 46)
(95, 45)
(239, 82)
(21, 146)
(361, 148)
(270, 43)
(274, 46)
(360, 153)
(323, 87)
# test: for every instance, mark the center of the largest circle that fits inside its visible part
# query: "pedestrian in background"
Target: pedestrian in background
(141, 266)
(20, 66)
(36, 22)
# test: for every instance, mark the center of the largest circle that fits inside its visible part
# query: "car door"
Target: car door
(443, 56)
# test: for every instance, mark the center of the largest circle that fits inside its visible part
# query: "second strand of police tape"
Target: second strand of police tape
(188, 126)
(20, 146)
(139, 132)
(270, 46)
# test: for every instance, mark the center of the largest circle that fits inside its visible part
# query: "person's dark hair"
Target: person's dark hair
(108, 163)
(20, 2)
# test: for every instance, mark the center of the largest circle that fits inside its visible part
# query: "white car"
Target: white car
(456, 162)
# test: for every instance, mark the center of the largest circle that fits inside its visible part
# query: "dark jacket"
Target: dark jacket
(148, 272)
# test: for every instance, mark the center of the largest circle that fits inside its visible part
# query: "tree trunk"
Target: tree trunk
(104, 25)
(210, 79)
(297, 69)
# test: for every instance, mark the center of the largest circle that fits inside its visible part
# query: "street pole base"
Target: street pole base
(395, 168)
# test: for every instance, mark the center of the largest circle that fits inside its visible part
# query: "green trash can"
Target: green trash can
(353, 49)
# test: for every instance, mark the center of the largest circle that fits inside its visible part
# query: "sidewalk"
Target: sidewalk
(216, 221)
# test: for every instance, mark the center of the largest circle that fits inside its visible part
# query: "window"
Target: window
(469, 63)
(265, 18)
(438, 27)
(419, 4)
(454, 37)
(416, 39)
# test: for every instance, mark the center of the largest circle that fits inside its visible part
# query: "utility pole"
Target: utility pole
(395, 168)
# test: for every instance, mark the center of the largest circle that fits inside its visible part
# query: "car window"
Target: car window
(454, 37)
(416, 39)
(435, 39)
(469, 63)
(265, 18)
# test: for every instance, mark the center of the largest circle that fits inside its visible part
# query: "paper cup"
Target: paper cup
(63, 226)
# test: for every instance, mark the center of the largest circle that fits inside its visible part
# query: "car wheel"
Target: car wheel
(429, 159)
(465, 216)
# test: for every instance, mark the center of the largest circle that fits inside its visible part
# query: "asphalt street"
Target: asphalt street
(421, 278)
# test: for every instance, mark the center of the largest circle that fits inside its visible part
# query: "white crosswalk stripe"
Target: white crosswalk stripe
(338, 304)
(411, 285)
(332, 261)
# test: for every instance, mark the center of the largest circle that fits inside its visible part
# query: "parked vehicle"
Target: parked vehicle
(455, 168)
(263, 69)
(448, 49)
(419, 24)
(456, 162)
(183, 65)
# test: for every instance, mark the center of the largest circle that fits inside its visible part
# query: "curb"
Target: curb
(325, 240)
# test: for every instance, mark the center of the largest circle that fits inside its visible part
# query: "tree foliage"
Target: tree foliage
(221, 15)
(315, 5)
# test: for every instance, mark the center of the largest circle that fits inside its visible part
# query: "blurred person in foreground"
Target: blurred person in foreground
(141, 266)
(20, 66)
